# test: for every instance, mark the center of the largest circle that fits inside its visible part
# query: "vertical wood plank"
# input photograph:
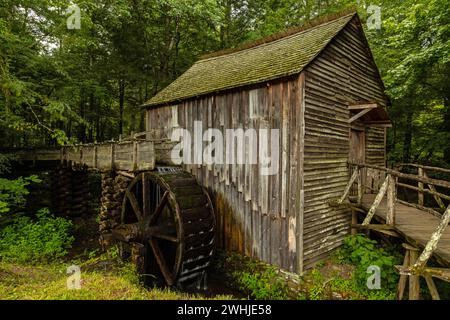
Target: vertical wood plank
(300, 182)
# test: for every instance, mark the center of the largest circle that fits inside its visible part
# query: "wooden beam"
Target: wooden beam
(374, 226)
(432, 287)
(414, 281)
(425, 167)
(381, 228)
(440, 273)
(362, 106)
(433, 189)
(429, 191)
(359, 115)
(403, 278)
(381, 123)
(433, 242)
(377, 201)
(349, 186)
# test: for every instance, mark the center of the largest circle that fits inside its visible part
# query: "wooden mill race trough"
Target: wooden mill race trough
(320, 88)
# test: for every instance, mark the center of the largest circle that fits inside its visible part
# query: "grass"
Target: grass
(102, 278)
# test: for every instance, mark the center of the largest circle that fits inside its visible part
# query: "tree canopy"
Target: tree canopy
(60, 85)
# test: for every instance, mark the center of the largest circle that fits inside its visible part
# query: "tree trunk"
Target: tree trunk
(121, 103)
(407, 139)
(447, 129)
(82, 127)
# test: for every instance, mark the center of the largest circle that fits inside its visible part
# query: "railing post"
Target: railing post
(94, 160)
(391, 199)
(135, 155)
(420, 186)
(360, 185)
(112, 155)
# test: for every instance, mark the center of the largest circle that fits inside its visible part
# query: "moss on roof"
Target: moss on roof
(268, 61)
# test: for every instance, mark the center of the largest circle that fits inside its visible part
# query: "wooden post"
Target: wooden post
(95, 157)
(112, 155)
(414, 284)
(432, 287)
(391, 198)
(354, 221)
(403, 277)
(360, 185)
(420, 186)
(135, 154)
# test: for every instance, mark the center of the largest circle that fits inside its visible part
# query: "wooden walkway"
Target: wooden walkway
(414, 225)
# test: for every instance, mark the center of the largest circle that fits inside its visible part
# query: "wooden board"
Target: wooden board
(415, 225)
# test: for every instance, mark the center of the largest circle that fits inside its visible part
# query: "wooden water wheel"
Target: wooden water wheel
(167, 226)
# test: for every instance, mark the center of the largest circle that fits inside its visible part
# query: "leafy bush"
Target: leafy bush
(28, 241)
(13, 192)
(263, 285)
(5, 165)
(364, 252)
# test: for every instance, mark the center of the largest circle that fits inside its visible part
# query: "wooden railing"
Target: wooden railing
(414, 264)
(140, 151)
(137, 151)
(424, 189)
(389, 187)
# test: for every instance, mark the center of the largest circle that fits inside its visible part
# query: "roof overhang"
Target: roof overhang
(370, 114)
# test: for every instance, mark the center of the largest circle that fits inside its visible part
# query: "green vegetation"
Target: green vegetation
(342, 277)
(13, 192)
(254, 278)
(363, 252)
(102, 278)
(262, 285)
(59, 85)
(345, 275)
(41, 240)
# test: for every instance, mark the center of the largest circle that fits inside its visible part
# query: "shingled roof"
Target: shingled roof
(279, 58)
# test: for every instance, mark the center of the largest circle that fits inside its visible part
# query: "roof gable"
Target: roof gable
(276, 59)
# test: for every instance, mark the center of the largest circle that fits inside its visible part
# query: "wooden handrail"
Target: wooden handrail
(424, 167)
(433, 242)
(436, 182)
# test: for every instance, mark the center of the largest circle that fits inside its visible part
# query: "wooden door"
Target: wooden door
(357, 146)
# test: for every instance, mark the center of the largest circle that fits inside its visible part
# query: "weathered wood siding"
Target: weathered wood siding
(341, 74)
(375, 155)
(256, 214)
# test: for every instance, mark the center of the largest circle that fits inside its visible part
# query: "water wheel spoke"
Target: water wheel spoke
(160, 207)
(161, 262)
(145, 196)
(164, 233)
(135, 205)
(157, 215)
